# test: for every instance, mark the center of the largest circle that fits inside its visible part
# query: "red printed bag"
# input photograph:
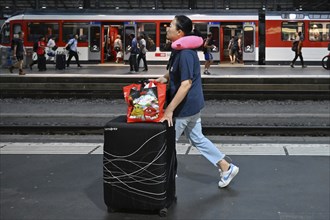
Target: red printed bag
(145, 101)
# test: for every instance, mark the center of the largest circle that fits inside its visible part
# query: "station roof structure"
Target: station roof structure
(9, 7)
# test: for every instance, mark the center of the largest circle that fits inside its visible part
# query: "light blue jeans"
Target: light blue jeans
(192, 128)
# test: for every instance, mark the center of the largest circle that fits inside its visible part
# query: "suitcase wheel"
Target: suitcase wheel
(163, 212)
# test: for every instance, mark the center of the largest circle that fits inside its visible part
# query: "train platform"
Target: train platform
(226, 81)
(61, 178)
(217, 70)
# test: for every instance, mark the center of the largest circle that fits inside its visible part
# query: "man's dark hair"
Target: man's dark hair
(183, 23)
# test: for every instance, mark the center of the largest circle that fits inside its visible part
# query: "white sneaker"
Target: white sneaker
(228, 176)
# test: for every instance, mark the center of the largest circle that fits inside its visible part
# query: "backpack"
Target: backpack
(235, 44)
(35, 46)
(231, 42)
(295, 46)
(13, 43)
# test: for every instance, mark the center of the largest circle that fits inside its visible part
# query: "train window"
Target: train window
(215, 36)
(149, 31)
(293, 16)
(36, 30)
(70, 29)
(128, 31)
(289, 30)
(165, 44)
(319, 31)
(248, 39)
(16, 29)
(5, 34)
(319, 16)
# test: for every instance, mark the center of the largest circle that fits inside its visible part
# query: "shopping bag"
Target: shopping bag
(119, 54)
(145, 101)
(34, 56)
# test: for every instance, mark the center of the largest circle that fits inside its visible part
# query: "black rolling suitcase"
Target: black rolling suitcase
(60, 60)
(139, 166)
(42, 63)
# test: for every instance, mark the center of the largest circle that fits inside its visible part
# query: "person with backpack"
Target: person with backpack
(234, 50)
(142, 52)
(230, 49)
(19, 52)
(186, 100)
(240, 49)
(118, 47)
(208, 46)
(297, 46)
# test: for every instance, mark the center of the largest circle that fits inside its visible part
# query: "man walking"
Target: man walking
(18, 52)
(298, 52)
(73, 52)
(142, 52)
(208, 46)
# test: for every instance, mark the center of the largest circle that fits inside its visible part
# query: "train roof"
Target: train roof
(134, 14)
(297, 15)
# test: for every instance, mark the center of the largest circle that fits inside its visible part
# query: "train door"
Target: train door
(228, 30)
(249, 45)
(214, 28)
(109, 37)
(94, 47)
(129, 28)
(106, 43)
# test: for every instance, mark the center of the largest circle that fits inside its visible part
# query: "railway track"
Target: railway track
(207, 130)
(262, 88)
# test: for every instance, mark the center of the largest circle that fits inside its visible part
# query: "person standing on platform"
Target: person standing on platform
(142, 52)
(234, 50)
(230, 50)
(208, 46)
(41, 51)
(240, 49)
(51, 47)
(73, 52)
(18, 52)
(298, 52)
(187, 100)
(133, 49)
(118, 47)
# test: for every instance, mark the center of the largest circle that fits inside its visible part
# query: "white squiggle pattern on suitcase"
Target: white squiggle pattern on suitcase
(129, 174)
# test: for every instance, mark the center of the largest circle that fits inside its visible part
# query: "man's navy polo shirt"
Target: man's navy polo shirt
(186, 66)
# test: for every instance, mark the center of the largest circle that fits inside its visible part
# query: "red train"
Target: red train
(267, 36)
